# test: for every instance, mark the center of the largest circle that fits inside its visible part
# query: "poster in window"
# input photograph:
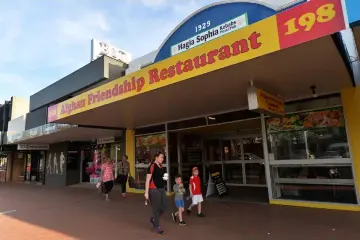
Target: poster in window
(307, 120)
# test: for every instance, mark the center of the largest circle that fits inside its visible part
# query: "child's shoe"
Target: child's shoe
(182, 223)
(173, 217)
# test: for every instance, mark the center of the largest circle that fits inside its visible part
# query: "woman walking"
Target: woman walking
(107, 177)
(123, 174)
(155, 190)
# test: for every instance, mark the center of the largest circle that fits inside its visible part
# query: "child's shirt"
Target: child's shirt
(179, 191)
(195, 185)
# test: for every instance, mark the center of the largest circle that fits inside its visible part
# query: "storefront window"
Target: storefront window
(93, 168)
(146, 148)
(3, 166)
(315, 160)
(115, 154)
(310, 135)
(213, 150)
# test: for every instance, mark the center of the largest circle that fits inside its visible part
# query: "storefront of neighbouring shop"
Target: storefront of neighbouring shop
(256, 94)
(61, 154)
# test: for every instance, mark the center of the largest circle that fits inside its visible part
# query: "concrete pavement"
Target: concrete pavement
(38, 212)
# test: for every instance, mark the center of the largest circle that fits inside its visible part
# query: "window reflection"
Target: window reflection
(232, 149)
(253, 148)
(319, 193)
(255, 173)
(315, 172)
(233, 173)
(146, 148)
(314, 183)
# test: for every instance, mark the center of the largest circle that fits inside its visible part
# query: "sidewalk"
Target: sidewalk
(44, 213)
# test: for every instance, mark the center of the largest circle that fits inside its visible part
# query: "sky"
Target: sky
(42, 41)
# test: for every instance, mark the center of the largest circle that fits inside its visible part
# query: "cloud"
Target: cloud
(84, 27)
(154, 3)
(10, 33)
(14, 85)
(40, 47)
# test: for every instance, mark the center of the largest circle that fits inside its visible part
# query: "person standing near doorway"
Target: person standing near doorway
(107, 177)
(123, 172)
(155, 190)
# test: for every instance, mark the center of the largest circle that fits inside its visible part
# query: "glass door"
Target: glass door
(212, 157)
(232, 152)
(243, 161)
(27, 176)
(41, 168)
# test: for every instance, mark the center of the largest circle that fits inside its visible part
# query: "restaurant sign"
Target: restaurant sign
(306, 22)
(264, 102)
(211, 34)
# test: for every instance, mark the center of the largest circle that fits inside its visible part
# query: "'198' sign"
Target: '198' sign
(323, 14)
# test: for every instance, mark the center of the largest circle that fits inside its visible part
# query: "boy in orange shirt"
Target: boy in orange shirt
(195, 191)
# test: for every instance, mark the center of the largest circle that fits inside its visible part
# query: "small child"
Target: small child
(195, 192)
(179, 191)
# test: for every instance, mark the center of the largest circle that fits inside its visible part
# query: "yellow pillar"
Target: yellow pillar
(351, 104)
(130, 152)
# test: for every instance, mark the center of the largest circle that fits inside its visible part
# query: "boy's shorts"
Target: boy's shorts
(196, 199)
(179, 203)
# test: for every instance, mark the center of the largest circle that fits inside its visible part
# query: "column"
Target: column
(351, 104)
(266, 157)
(168, 160)
(130, 152)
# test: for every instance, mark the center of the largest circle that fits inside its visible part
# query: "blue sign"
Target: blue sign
(203, 23)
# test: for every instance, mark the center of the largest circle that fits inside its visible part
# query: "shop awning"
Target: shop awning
(53, 133)
(183, 87)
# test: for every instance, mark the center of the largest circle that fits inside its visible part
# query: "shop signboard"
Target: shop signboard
(202, 23)
(211, 34)
(264, 102)
(100, 48)
(14, 137)
(314, 119)
(37, 132)
(306, 22)
(34, 132)
(105, 140)
(32, 147)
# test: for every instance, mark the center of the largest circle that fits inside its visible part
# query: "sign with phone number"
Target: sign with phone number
(309, 21)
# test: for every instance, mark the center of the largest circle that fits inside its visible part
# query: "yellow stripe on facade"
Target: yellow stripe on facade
(329, 206)
(351, 103)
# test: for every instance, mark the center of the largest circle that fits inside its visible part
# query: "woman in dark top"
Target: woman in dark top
(123, 174)
(155, 190)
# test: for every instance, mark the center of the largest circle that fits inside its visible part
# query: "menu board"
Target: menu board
(219, 183)
(307, 120)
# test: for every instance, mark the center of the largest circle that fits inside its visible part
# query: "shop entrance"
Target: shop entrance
(235, 150)
(34, 167)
